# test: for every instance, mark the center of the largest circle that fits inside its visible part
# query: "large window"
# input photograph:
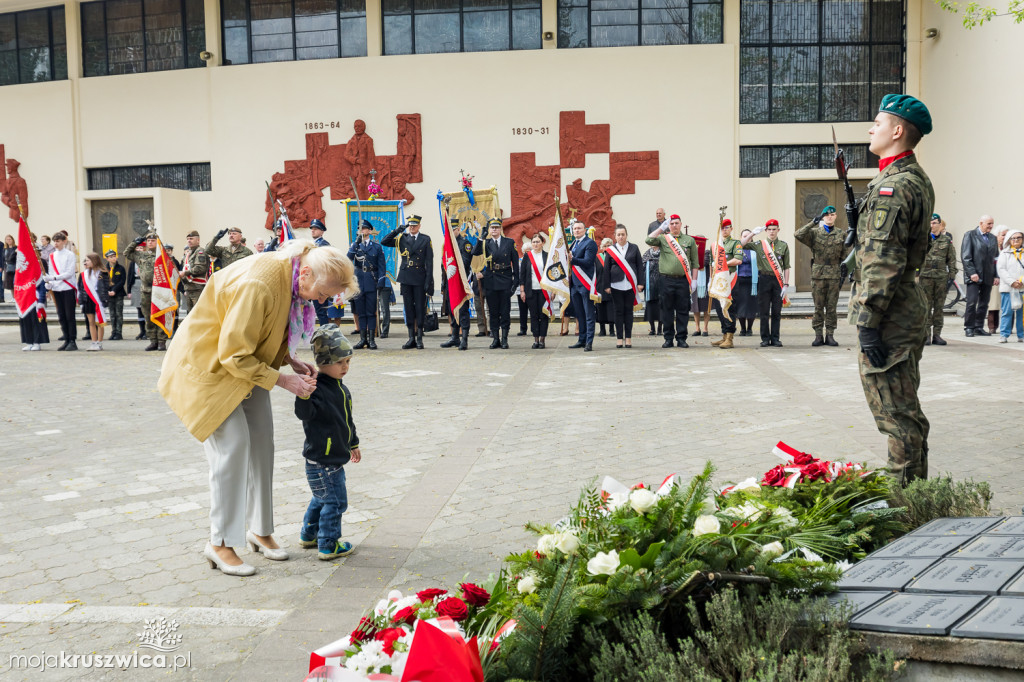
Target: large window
(760, 162)
(194, 177)
(33, 46)
(258, 31)
(136, 36)
(818, 60)
(429, 26)
(618, 23)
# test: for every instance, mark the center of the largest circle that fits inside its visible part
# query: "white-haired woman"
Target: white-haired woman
(253, 317)
(1010, 271)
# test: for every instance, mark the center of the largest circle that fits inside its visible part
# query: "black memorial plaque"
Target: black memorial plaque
(992, 547)
(883, 574)
(920, 547)
(968, 526)
(917, 614)
(1011, 526)
(858, 601)
(998, 618)
(966, 576)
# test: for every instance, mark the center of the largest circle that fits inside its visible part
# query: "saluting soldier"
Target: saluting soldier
(827, 254)
(733, 257)
(460, 320)
(500, 279)
(195, 269)
(234, 251)
(678, 265)
(937, 272)
(144, 261)
(772, 278)
(887, 305)
(368, 258)
(416, 275)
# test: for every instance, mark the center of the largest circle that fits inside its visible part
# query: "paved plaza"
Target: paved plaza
(104, 495)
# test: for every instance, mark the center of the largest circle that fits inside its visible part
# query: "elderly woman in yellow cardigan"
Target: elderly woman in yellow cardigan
(252, 318)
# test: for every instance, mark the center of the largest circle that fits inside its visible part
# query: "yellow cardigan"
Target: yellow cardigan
(234, 339)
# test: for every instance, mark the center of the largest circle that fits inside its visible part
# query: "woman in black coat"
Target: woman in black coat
(530, 291)
(620, 284)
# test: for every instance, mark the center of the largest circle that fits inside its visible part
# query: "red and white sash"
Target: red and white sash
(548, 309)
(628, 269)
(187, 267)
(90, 291)
(57, 273)
(773, 261)
(677, 251)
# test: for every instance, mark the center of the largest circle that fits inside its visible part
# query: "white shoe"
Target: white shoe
(227, 569)
(258, 547)
(99, 345)
(34, 346)
(27, 347)
(92, 346)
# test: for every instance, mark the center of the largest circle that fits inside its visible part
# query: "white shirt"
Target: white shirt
(624, 285)
(65, 261)
(534, 282)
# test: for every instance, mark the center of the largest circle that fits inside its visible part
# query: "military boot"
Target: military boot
(718, 344)
(362, 341)
(370, 343)
(726, 342)
(411, 343)
(464, 344)
(153, 345)
(495, 339)
(419, 339)
(938, 340)
(504, 339)
(927, 338)
(161, 345)
(819, 340)
(451, 342)
(830, 340)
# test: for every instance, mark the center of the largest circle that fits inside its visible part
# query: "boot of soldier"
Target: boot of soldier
(726, 342)
(362, 341)
(451, 342)
(464, 344)
(938, 340)
(720, 341)
(495, 339)
(411, 343)
(370, 343)
(153, 345)
(819, 340)
(830, 340)
(927, 337)
(161, 345)
(504, 339)
(419, 339)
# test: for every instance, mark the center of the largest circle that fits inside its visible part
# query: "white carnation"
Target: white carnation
(773, 548)
(527, 585)
(546, 544)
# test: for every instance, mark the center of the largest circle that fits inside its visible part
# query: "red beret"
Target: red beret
(772, 222)
(674, 217)
(726, 223)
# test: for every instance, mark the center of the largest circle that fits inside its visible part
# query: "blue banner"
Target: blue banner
(385, 216)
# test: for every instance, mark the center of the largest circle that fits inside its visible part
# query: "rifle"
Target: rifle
(851, 201)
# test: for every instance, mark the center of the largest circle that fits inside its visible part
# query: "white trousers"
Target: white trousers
(241, 456)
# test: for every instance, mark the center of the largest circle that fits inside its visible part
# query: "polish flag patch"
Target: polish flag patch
(885, 191)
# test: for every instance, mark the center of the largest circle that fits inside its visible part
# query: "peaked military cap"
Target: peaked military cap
(329, 345)
(494, 222)
(413, 220)
(365, 225)
(908, 108)
(318, 224)
(110, 252)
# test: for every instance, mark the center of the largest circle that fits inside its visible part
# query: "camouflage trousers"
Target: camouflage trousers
(153, 332)
(934, 289)
(826, 296)
(191, 297)
(892, 399)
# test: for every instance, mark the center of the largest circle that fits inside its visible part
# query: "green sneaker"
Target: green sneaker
(340, 549)
(307, 544)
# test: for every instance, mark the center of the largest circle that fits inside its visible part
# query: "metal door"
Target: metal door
(812, 196)
(124, 217)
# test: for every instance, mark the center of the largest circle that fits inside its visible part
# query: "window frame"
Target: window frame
(339, 10)
(200, 177)
(824, 152)
(50, 46)
(461, 13)
(186, 47)
(639, 24)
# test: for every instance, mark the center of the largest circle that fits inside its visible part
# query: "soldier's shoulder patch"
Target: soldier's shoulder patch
(881, 214)
(468, 247)
(885, 191)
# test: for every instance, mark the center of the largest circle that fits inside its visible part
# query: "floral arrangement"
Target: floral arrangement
(373, 189)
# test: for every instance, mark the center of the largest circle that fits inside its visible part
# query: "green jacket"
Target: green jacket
(781, 249)
(732, 250)
(198, 267)
(827, 249)
(144, 261)
(227, 254)
(940, 261)
(668, 264)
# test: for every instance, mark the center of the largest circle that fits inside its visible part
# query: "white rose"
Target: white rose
(603, 563)
(642, 500)
(616, 500)
(749, 484)
(527, 585)
(773, 548)
(546, 544)
(567, 542)
(706, 524)
(809, 555)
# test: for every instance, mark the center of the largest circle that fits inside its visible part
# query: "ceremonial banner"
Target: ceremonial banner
(472, 216)
(385, 216)
(454, 269)
(722, 280)
(555, 278)
(165, 291)
(28, 274)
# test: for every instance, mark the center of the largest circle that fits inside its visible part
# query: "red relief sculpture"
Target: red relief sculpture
(301, 185)
(534, 187)
(13, 187)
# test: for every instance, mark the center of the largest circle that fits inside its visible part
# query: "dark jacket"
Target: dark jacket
(118, 278)
(584, 255)
(614, 274)
(417, 258)
(502, 272)
(978, 254)
(101, 290)
(327, 420)
(371, 268)
(10, 255)
(526, 271)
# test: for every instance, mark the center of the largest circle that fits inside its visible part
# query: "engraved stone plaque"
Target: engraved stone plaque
(1014, 525)
(998, 618)
(967, 526)
(859, 601)
(920, 547)
(883, 574)
(966, 576)
(992, 547)
(1015, 587)
(921, 614)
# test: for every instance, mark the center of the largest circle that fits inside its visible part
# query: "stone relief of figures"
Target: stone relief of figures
(13, 187)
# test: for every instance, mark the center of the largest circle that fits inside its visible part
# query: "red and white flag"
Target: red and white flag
(454, 270)
(28, 274)
(722, 280)
(165, 291)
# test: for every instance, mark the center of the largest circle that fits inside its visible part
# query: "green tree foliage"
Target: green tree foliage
(975, 13)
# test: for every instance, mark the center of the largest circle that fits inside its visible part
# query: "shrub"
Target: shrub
(934, 498)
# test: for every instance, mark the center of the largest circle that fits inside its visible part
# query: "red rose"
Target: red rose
(406, 615)
(474, 594)
(802, 458)
(428, 594)
(814, 471)
(775, 477)
(365, 629)
(388, 636)
(454, 608)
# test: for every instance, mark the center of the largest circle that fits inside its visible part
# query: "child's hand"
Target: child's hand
(355, 456)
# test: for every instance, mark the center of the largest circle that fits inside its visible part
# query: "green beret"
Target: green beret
(828, 209)
(908, 108)
(936, 216)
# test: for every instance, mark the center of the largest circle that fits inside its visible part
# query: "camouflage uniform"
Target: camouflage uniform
(195, 272)
(227, 254)
(827, 253)
(892, 240)
(144, 261)
(938, 269)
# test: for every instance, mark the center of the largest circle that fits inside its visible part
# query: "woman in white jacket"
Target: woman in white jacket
(1010, 271)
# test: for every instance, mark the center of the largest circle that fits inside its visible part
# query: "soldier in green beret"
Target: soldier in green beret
(827, 253)
(886, 304)
(937, 272)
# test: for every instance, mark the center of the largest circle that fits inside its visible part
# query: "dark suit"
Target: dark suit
(368, 259)
(415, 275)
(622, 300)
(535, 299)
(978, 254)
(524, 307)
(500, 279)
(584, 255)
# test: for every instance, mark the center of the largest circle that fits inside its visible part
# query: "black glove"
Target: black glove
(138, 240)
(871, 345)
(401, 228)
(951, 282)
(272, 246)
(220, 235)
(843, 272)
(817, 220)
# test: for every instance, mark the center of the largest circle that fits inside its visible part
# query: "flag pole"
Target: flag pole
(718, 237)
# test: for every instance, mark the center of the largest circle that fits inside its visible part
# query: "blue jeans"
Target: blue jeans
(330, 501)
(1008, 318)
(585, 312)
